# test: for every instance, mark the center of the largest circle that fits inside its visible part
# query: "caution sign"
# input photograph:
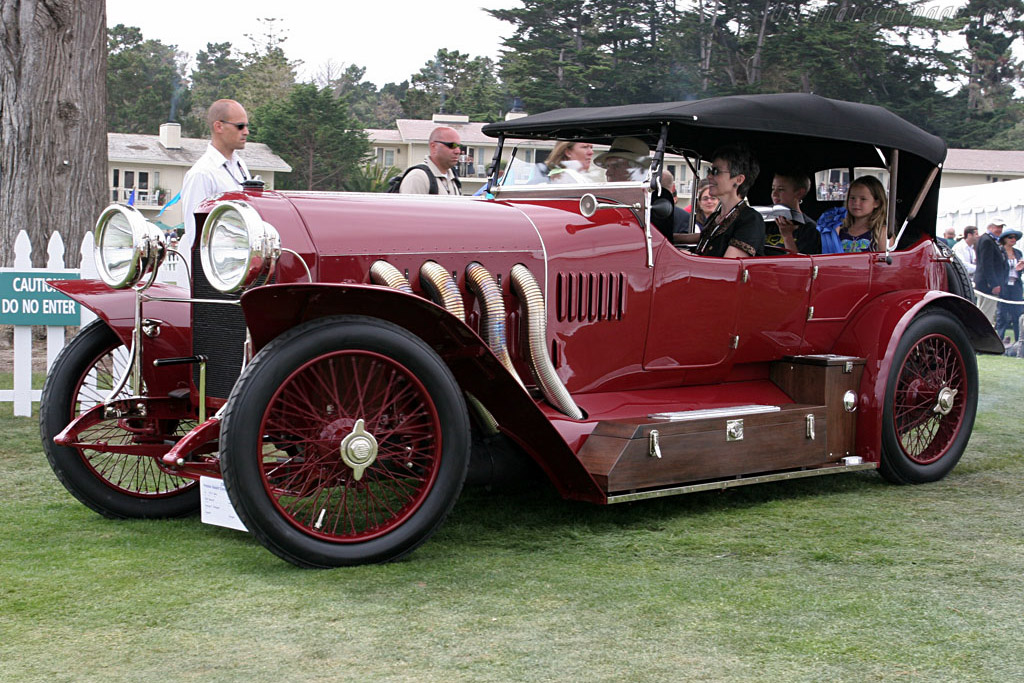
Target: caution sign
(26, 299)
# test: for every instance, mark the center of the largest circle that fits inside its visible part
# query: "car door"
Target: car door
(693, 315)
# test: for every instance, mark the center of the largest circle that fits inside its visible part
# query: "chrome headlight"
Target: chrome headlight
(127, 246)
(237, 247)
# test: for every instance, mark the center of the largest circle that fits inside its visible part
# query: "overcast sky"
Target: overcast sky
(393, 39)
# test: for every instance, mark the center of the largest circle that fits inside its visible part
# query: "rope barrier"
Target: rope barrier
(995, 298)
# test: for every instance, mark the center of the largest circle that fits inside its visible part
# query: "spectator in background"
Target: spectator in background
(964, 249)
(220, 169)
(949, 236)
(990, 274)
(705, 205)
(1007, 314)
(445, 148)
(680, 217)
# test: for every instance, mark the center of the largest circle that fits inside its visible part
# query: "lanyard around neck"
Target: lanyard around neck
(241, 171)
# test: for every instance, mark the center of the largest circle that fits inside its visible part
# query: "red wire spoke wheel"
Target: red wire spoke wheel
(345, 441)
(351, 446)
(113, 484)
(931, 400)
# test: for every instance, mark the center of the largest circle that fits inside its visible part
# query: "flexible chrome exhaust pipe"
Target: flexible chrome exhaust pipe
(492, 308)
(383, 273)
(525, 287)
(439, 284)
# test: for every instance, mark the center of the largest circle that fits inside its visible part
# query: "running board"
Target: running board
(739, 481)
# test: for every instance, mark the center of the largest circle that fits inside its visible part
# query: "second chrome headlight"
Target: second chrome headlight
(237, 247)
(127, 246)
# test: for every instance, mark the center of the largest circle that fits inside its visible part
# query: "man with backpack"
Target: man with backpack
(436, 175)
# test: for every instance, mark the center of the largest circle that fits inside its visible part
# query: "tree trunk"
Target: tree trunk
(707, 41)
(53, 140)
(755, 62)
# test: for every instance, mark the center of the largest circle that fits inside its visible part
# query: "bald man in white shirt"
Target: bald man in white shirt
(220, 169)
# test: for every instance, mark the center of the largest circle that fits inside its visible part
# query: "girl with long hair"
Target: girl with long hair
(864, 227)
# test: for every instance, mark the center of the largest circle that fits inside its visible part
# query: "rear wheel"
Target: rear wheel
(930, 401)
(957, 279)
(345, 441)
(113, 484)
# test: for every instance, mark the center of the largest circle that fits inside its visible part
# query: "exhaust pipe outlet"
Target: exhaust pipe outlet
(525, 287)
(440, 286)
(487, 422)
(492, 324)
(383, 273)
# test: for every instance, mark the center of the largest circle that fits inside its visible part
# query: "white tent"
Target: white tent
(979, 204)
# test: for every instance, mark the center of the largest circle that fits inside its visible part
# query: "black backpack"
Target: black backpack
(396, 181)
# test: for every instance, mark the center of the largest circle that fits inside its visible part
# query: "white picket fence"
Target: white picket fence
(22, 395)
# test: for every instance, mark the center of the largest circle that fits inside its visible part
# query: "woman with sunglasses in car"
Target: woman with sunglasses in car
(734, 229)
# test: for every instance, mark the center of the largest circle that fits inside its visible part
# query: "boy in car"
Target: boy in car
(799, 232)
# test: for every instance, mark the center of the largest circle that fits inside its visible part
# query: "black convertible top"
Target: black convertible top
(815, 129)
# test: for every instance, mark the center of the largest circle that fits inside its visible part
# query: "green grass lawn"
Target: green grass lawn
(832, 578)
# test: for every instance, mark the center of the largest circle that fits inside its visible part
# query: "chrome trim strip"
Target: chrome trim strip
(742, 481)
(728, 411)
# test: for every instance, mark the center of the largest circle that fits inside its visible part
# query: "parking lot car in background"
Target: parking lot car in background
(344, 361)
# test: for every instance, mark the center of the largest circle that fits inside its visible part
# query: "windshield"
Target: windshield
(561, 162)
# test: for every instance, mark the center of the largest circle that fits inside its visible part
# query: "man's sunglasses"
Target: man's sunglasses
(714, 171)
(239, 126)
(449, 145)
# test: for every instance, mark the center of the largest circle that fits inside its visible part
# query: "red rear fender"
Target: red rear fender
(874, 333)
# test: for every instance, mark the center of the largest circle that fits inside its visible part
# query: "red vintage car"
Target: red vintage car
(344, 361)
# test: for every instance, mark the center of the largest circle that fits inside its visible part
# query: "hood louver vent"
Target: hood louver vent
(590, 296)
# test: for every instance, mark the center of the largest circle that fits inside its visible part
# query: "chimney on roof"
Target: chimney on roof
(449, 118)
(170, 135)
(517, 111)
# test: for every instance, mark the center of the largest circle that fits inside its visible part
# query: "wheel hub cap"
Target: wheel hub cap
(944, 404)
(358, 450)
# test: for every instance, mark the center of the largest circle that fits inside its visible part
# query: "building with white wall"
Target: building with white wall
(154, 167)
(978, 166)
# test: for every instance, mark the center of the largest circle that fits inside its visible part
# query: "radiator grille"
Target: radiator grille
(587, 297)
(218, 332)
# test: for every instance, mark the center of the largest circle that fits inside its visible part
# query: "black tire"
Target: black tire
(284, 433)
(957, 280)
(931, 399)
(115, 485)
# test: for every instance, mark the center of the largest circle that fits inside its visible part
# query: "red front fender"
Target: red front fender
(116, 307)
(271, 310)
(874, 333)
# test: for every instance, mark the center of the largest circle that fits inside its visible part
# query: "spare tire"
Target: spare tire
(957, 280)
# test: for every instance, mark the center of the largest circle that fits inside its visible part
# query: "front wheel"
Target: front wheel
(345, 441)
(118, 485)
(930, 401)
